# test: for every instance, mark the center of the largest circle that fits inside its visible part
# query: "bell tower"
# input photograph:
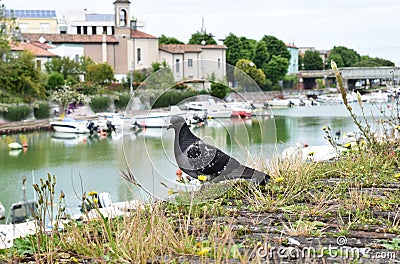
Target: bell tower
(122, 16)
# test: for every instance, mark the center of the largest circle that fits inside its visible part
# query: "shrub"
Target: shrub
(100, 104)
(122, 101)
(42, 111)
(16, 113)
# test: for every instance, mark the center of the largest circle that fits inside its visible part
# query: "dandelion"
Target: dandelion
(279, 179)
(95, 200)
(347, 145)
(311, 153)
(202, 178)
(92, 193)
(74, 259)
(203, 251)
(397, 176)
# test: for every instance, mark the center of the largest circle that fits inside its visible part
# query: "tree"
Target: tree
(202, 38)
(276, 47)
(67, 67)
(261, 55)
(100, 73)
(312, 60)
(277, 68)
(366, 61)
(348, 56)
(55, 80)
(168, 40)
(244, 69)
(218, 90)
(67, 95)
(301, 62)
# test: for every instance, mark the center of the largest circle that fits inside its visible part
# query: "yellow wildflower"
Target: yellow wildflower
(92, 193)
(347, 145)
(95, 200)
(397, 176)
(311, 153)
(279, 179)
(171, 191)
(324, 128)
(202, 178)
(203, 251)
(397, 127)
(74, 259)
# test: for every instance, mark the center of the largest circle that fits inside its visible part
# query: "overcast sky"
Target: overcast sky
(368, 26)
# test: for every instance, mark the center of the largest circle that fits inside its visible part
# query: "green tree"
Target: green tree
(202, 38)
(349, 56)
(100, 73)
(67, 95)
(366, 61)
(277, 68)
(261, 55)
(301, 62)
(70, 69)
(337, 59)
(276, 47)
(218, 90)
(54, 81)
(244, 69)
(168, 40)
(312, 60)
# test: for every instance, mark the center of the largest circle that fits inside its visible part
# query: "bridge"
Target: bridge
(351, 75)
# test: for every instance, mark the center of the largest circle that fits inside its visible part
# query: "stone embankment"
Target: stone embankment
(25, 126)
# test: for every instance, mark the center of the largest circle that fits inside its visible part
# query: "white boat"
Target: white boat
(278, 103)
(2, 211)
(160, 119)
(15, 146)
(240, 109)
(116, 121)
(70, 125)
(210, 108)
(378, 97)
(20, 223)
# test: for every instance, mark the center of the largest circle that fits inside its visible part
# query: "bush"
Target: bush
(100, 103)
(16, 113)
(42, 111)
(172, 98)
(122, 101)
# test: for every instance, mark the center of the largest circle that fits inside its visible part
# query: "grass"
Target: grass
(359, 192)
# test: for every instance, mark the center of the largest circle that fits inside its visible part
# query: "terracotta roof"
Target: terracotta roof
(68, 38)
(188, 48)
(35, 50)
(141, 35)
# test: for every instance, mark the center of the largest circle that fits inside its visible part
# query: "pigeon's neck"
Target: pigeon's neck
(185, 138)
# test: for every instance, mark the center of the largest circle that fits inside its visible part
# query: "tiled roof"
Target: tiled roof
(68, 38)
(188, 48)
(35, 50)
(141, 35)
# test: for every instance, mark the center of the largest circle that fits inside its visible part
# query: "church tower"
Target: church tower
(122, 34)
(122, 16)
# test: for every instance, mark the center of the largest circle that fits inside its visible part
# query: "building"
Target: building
(40, 51)
(119, 41)
(35, 21)
(194, 62)
(294, 59)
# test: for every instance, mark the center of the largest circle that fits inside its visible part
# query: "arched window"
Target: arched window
(122, 18)
(139, 55)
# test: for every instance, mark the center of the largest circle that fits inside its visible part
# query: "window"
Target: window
(104, 29)
(77, 58)
(84, 30)
(94, 30)
(139, 55)
(177, 65)
(219, 63)
(190, 63)
(39, 64)
(78, 30)
(122, 18)
(44, 27)
(23, 27)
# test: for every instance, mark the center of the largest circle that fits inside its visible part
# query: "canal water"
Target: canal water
(85, 163)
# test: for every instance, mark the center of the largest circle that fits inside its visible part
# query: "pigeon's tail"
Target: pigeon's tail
(254, 176)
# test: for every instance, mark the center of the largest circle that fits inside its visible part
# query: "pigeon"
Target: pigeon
(196, 157)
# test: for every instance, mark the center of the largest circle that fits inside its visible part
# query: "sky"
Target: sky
(367, 26)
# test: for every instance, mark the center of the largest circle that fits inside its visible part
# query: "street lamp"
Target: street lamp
(131, 79)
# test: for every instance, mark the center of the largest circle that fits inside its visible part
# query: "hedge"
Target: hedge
(122, 101)
(42, 111)
(16, 113)
(100, 104)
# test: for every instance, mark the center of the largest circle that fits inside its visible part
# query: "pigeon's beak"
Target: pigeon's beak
(170, 126)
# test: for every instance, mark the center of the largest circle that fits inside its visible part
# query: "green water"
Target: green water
(86, 163)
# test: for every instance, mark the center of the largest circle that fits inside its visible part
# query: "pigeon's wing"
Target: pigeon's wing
(209, 160)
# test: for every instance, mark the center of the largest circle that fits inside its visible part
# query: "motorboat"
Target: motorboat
(240, 109)
(161, 118)
(210, 108)
(2, 211)
(279, 103)
(70, 125)
(20, 223)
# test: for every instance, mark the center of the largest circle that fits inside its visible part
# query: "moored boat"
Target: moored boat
(70, 125)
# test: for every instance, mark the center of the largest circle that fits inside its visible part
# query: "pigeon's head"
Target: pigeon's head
(176, 122)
